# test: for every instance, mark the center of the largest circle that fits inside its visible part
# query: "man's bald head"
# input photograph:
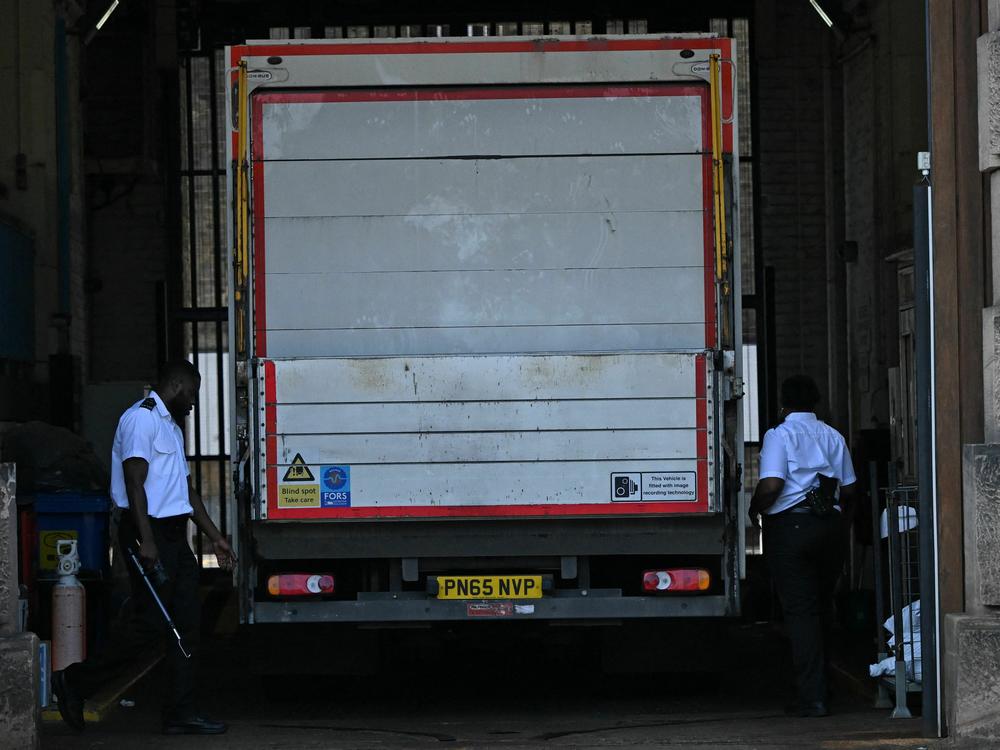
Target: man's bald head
(178, 387)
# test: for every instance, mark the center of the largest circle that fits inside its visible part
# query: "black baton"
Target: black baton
(158, 600)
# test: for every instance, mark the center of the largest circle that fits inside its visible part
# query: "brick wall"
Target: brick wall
(885, 125)
(877, 77)
(790, 152)
(867, 368)
(127, 259)
(128, 196)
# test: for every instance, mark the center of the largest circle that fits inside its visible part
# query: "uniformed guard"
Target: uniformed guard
(154, 497)
(806, 476)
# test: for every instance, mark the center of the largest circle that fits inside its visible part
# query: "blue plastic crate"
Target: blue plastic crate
(67, 515)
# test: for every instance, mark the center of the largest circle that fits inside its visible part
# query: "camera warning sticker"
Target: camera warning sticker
(654, 486)
(335, 486)
(669, 486)
(626, 487)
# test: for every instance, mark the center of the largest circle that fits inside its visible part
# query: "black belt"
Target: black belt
(170, 522)
(165, 522)
(802, 507)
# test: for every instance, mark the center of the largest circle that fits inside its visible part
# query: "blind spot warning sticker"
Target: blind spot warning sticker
(298, 496)
(298, 471)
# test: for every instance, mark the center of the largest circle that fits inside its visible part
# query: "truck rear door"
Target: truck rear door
(484, 279)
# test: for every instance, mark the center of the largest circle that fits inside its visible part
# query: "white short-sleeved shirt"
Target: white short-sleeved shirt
(146, 430)
(797, 450)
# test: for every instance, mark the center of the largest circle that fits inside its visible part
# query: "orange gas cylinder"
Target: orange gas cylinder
(69, 609)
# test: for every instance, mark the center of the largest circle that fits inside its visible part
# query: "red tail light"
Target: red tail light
(676, 579)
(300, 584)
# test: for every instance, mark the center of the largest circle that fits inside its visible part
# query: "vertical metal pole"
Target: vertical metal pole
(926, 480)
(901, 711)
(193, 260)
(218, 252)
(882, 697)
(923, 251)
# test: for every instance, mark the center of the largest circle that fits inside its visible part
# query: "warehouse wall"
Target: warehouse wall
(129, 157)
(132, 195)
(790, 51)
(94, 193)
(39, 81)
(840, 121)
(885, 126)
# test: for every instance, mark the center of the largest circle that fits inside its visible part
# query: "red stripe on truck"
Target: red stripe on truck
(496, 511)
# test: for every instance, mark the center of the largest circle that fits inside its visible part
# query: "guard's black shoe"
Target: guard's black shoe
(194, 725)
(69, 701)
(812, 710)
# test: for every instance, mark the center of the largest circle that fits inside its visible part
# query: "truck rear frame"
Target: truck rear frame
(483, 424)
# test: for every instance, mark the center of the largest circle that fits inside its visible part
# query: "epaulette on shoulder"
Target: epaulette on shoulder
(149, 403)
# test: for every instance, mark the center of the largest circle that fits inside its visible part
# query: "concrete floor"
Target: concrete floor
(485, 688)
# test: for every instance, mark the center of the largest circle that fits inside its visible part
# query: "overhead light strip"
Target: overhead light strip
(822, 13)
(111, 9)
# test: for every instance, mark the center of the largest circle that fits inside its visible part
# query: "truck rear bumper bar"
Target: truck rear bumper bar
(318, 540)
(593, 604)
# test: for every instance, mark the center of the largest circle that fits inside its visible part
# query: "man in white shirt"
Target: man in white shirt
(805, 475)
(153, 494)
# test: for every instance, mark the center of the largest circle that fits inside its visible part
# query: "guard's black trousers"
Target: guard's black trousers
(805, 555)
(147, 630)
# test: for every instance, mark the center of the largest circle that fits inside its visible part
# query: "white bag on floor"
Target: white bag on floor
(911, 645)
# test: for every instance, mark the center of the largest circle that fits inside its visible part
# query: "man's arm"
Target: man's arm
(764, 496)
(135, 471)
(773, 465)
(203, 521)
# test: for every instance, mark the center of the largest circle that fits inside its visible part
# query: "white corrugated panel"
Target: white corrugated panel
(483, 225)
(432, 128)
(406, 434)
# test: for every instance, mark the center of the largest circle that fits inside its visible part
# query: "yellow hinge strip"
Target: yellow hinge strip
(718, 170)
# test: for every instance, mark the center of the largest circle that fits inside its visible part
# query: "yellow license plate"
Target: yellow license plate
(489, 587)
